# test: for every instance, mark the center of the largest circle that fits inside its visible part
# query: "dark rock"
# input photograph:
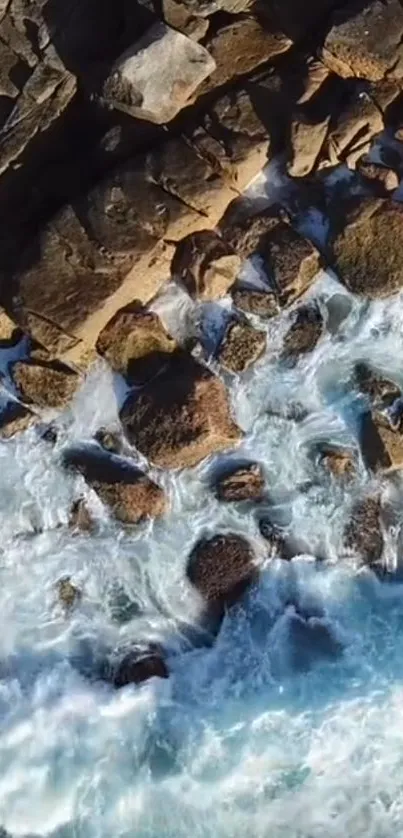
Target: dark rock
(381, 445)
(304, 333)
(127, 491)
(261, 303)
(338, 307)
(380, 390)
(245, 482)
(15, 418)
(110, 440)
(363, 535)
(68, 593)
(180, 417)
(135, 343)
(10, 333)
(221, 569)
(241, 346)
(311, 639)
(139, 666)
(205, 265)
(45, 384)
(80, 517)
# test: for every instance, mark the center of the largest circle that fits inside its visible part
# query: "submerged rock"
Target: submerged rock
(381, 391)
(245, 482)
(135, 343)
(68, 593)
(80, 517)
(181, 417)
(139, 666)
(15, 418)
(45, 384)
(221, 569)
(124, 489)
(340, 462)
(381, 444)
(310, 639)
(241, 346)
(363, 534)
(304, 333)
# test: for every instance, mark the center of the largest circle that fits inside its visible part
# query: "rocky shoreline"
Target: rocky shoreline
(130, 132)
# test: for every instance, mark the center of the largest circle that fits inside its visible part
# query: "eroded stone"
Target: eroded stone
(45, 384)
(245, 482)
(241, 346)
(222, 568)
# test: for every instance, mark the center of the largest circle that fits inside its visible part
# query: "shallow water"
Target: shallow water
(245, 737)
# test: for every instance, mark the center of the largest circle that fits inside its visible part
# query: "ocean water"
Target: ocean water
(252, 734)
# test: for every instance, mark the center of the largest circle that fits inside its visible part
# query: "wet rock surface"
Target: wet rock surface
(304, 333)
(239, 483)
(139, 666)
(45, 384)
(221, 569)
(241, 346)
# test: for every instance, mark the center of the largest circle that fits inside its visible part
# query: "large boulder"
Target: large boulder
(366, 252)
(135, 343)
(205, 265)
(129, 494)
(241, 346)
(363, 536)
(221, 569)
(366, 40)
(45, 384)
(159, 75)
(181, 416)
(253, 301)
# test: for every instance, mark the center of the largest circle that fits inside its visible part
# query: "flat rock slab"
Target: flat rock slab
(159, 75)
(181, 416)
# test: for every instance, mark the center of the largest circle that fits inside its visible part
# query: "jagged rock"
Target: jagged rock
(221, 569)
(80, 517)
(277, 541)
(124, 489)
(241, 346)
(261, 303)
(205, 265)
(138, 666)
(68, 593)
(356, 120)
(306, 142)
(298, 19)
(363, 534)
(45, 384)
(10, 333)
(290, 260)
(340, 462)
(15, 418)
(366, 252)
(135, 343)
(381, 391)
(379, 178)
(381, 444)
(181, 417)
(159, 75)
(240, 46)
(366, 41)
(179, 16)
(245, 482)
(308, 639)
(110, 440)
(305, 331)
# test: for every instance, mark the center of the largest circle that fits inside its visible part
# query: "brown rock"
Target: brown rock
(304, 333)
(125, 490)
(68, 593)
(139, 666)
(45, 384)
(221, 569)
(241, 346)
(355, 122)
(135, 343)
(363, 534)
(15, 418)
(338, 461)
(381, 179)
(10, 333)
(380, 390)
(80, 517)
(306, 143)
(381, 445)
(110, 440)
(241, 483)
(367, 42)
(366, 253)
(179, 16)
(181, 417)
(206, 265)
(261, 303)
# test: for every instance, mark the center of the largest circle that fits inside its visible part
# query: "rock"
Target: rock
(135, 343)
(15, 418)
(339, 307)
(290, 260)
(261, 303)
(10, 333)
(355, 120)
(205, 265)
(298, 19)
(367, 41)
(129, 494)
(306, 143)
(381, 391)
(379, 178)
(45, 384)
(177, 15)
(340, 462)
(80, 517)
(366, 252)
(181, 417)
(68, 593)
(362, 534)
(305, 332)
(221, 569)
(309, 639)
(241, 346)
(245, 482)
(381, 445)
(110, 440)
(139, 666)
(278, 542)
(239, 47)
(158, 76)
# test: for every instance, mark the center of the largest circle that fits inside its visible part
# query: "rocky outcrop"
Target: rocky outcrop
(10, 333)
(221, 569)
(135, 343)
(340, 462)
(45, 384)
(125, 490)
(205, 265)
(181, 417)
(366, 253)
(139, 665)
(244, 482)
(380, 391)
(241, 346)
(261, 303)
(363, 536)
